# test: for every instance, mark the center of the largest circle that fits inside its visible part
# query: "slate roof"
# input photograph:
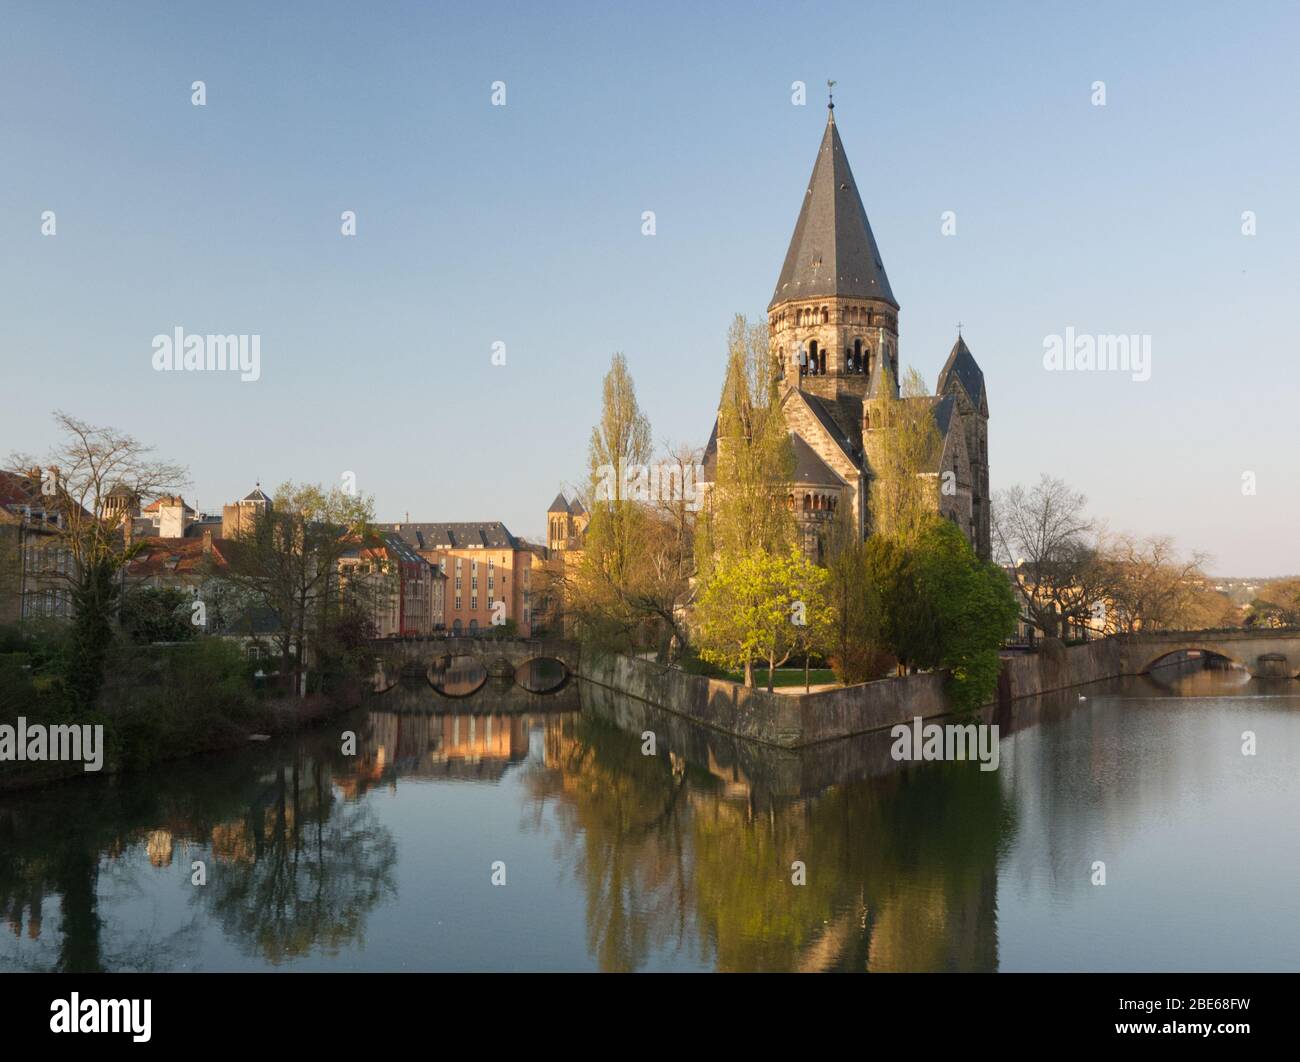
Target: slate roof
(256, 494)
(710, 459)
(961, 364)
(810, 468)
(491, 534)
(559, 505)
(832, 251)
(823, 414)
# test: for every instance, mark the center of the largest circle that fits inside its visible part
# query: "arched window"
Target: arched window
(456, 626)
(826, 315)
(857, 355)
(807, 503)
(812, 359)
(473, 624)
(821, 364)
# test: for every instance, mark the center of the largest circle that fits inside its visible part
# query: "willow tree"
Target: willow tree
(904, 445)
(755, 457)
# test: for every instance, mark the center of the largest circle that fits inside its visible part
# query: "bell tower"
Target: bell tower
(833, 319)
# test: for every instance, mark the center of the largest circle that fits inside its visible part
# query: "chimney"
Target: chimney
(207, 541)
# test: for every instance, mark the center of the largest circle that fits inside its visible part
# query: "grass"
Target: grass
(787, 676)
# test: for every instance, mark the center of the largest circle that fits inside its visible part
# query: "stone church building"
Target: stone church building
(833, 331)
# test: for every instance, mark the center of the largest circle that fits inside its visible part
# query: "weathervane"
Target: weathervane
(830, 94)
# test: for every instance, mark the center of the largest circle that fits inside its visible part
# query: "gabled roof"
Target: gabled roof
(559, 505)
(823, 414)
(832, 251)
(809, 467)
(255, 495)
(962, 368)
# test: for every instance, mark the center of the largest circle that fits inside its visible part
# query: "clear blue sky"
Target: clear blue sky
(523, 224)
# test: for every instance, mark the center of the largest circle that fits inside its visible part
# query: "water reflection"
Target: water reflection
(627, 856)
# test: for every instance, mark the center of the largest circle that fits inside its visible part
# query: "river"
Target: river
(554, 838)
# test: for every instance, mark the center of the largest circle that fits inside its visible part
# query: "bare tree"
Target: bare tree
(1153, 587)
(82, 470)
(288, 562)
(1046, 541)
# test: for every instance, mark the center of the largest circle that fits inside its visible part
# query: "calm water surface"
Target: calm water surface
(615, 860)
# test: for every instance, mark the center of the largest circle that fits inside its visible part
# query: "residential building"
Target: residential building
(488, 571)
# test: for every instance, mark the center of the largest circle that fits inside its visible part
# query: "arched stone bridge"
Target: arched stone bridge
(397, 654)
(1265, 653)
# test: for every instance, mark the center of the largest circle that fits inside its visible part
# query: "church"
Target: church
(833, 333)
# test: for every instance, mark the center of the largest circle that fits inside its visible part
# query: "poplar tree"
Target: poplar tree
(903, 447)
(755, 458)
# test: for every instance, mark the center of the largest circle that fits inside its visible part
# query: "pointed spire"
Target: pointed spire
(832, 251)
(962, 367)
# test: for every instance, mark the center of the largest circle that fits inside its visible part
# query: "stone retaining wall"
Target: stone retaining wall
(793, 721)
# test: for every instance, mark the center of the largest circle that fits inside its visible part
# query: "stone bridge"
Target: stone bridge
(410, 654)
(1265, 653)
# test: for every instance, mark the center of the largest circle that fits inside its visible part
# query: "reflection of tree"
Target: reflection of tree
(632, 857)
(290, 865)
(901, 870)
(299, 871)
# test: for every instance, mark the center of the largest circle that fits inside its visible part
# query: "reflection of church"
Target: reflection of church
(833, 334)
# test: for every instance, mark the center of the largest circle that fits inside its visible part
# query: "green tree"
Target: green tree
(856, 641)
(157, 614)
(903, 446)
(946, 608)
(755, 458)
(763, 606)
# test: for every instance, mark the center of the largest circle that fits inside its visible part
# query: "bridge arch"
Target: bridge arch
(1155, 654)
(542, 674)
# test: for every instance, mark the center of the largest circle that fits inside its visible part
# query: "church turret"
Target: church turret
(963, 379)
(833, 319)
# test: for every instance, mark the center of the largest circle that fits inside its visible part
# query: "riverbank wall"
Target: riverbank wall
(797, 720)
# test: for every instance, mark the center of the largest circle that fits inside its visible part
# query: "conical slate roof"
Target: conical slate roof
(832, 251)
(961, 363)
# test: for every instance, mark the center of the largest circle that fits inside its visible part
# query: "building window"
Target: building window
(458, 605)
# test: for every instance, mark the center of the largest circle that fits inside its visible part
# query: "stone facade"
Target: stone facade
(833, 337)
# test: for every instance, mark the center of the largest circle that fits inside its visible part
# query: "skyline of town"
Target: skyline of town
(378, 353)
